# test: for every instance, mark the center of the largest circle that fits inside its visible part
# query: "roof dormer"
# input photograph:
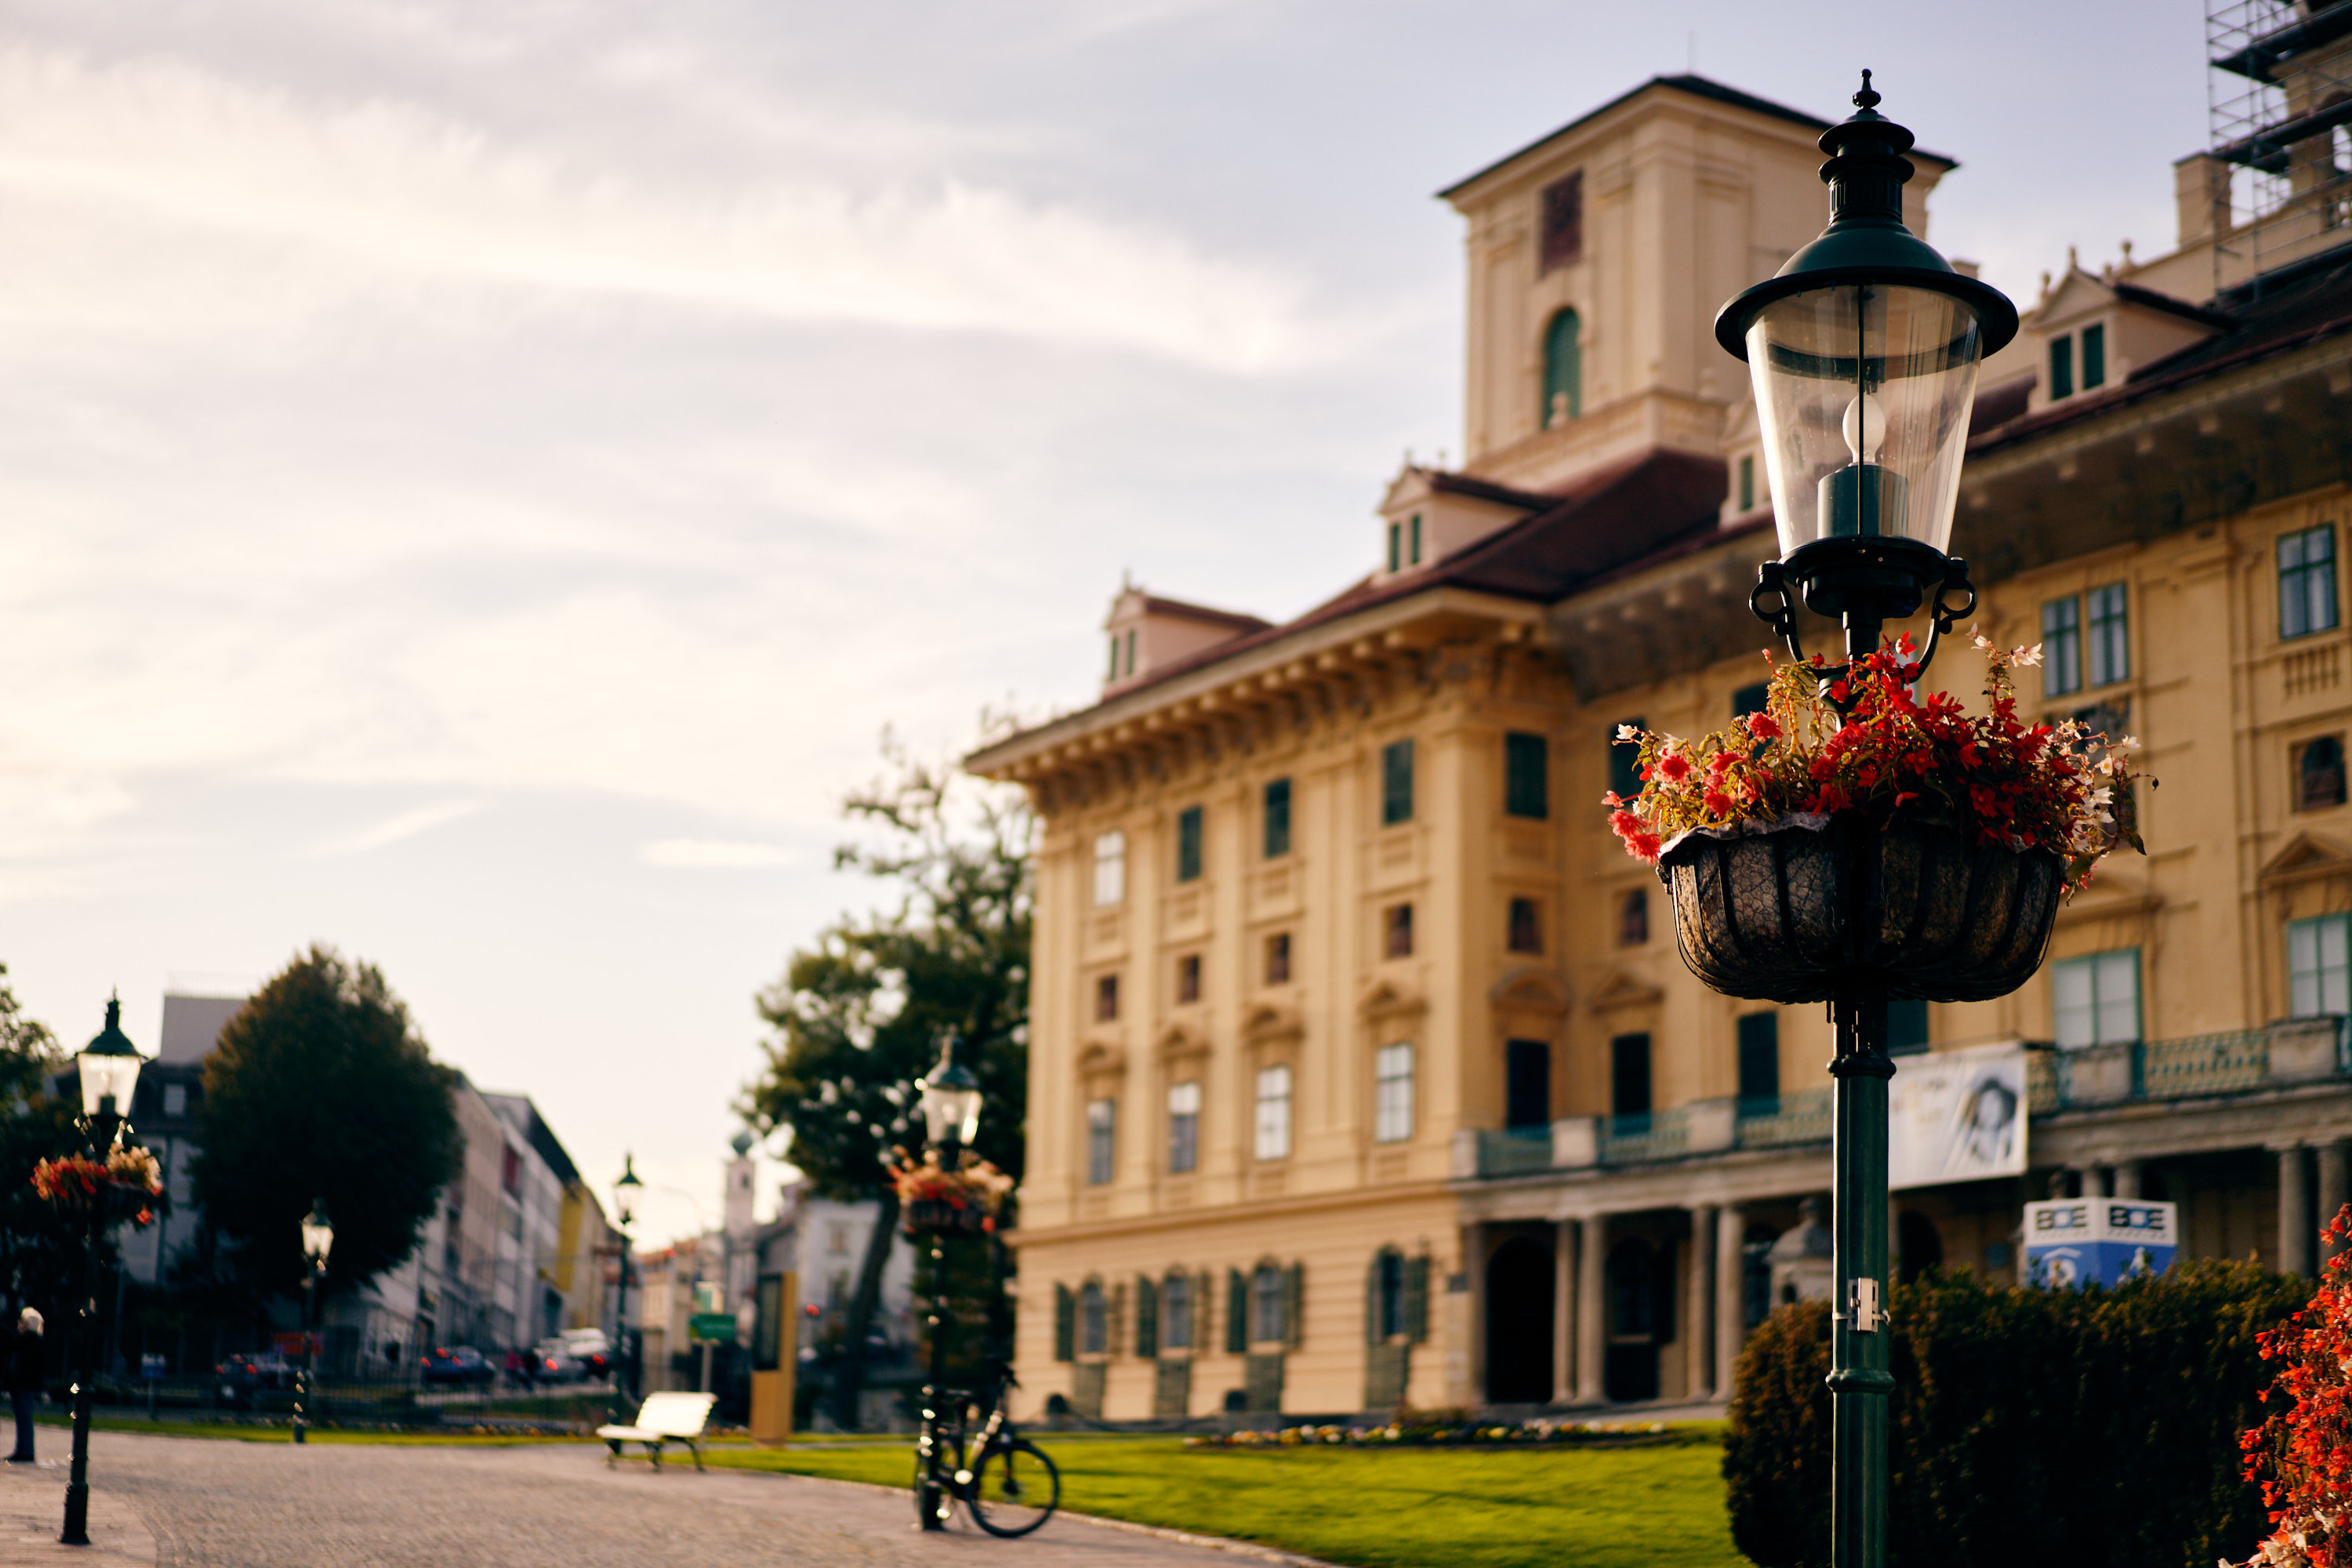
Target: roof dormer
(2092, 332)
(1429, 514)
(1148, 633)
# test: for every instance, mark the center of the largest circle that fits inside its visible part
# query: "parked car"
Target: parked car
(591, 1349)
(240, 1375)
(459, 1364)
(551, 1361)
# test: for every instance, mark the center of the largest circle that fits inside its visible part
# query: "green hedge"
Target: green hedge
(2082, 1427)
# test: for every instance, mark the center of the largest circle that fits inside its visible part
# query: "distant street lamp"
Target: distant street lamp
(626, 1193)
(109, 1069)
(318, 1238)
(950, 1099)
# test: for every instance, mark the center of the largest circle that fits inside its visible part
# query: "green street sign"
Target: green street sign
(719, 1326)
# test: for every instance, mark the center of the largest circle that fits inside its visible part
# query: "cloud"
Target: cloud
(717, 854)
(393, 829)
(408, 192)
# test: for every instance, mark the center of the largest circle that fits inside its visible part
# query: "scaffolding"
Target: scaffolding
(2279, 103)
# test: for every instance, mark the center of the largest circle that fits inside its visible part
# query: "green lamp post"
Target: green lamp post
(109, 1070)
(950, 1099)
(626, 1193)
(317, 1240)
(1865, 349)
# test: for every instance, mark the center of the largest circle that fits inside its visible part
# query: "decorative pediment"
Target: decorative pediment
(1103, 1057)
(1387, 999)
(2110, 893)
(1624, 990)
(1181, 1038)
(1266, 1021)
(1530, 990)
(2308, 858)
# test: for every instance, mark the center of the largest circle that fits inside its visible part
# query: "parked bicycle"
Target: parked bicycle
(1004, 1480)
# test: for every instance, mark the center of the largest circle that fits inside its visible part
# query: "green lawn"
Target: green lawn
(1399, 1507)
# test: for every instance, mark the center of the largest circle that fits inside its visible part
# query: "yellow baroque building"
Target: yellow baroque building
(1364, 1072)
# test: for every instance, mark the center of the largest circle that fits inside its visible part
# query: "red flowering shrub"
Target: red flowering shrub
(2302, 1455)
(1992, 775)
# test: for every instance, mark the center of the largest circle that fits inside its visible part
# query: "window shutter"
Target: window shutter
(1236, 1313)
(1372, 1301)
(1114, 1319)
(1065, 1324)
(1203, 1321)
(1416, 1299)
(1294, 1305)
(1146, 1319)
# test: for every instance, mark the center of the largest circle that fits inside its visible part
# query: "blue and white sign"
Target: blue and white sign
(2070, 1242)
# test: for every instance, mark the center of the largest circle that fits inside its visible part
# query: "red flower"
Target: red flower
(1763, 726)
(1676, 766)
(1718, 803)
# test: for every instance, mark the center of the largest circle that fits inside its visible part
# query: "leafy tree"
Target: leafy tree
(40, 1256)
(861, 1013)
(321, 1087)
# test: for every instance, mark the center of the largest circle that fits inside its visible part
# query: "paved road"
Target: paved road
(215, 1504)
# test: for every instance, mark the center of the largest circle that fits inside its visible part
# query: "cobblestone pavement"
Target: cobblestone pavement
(219, 1504)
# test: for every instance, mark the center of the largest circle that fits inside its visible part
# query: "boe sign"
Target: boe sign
(2070, 1242)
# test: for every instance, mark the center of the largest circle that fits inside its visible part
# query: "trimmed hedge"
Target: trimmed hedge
(2083, 1428)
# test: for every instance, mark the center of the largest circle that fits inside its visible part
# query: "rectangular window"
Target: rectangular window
(1526, 1083)
(1625, 760)
(1183, 1126)
(1396, 782)
(1130, 653)
(1562, 241)
(1392, 1094)
(1751, 699)
(1525, 935)
(1278, 819)
(1114, 656)
(1633, 918)
(1273, 1140)
(1176, 1312)
(1747, 484)
(2094, 357)
(1397, 933)
(1188, 978)
(1188, 845)
(1526, 776)
(1396, 547)
(1110, 869)
(1628, 1080)
(1265, 1305)
(2061, 368)
(1906, 1027)
(1760, 1062)
(2318, 969)
(1277, 959)
(1102, 1146)
(1414, 555)
(2062, 647)
(2110, 641)
(175, 1099)
(2095, 1000)
(1107, 999)
(2306, 570)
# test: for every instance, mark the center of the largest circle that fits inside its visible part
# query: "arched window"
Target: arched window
(1176, 1312)
(1094, 1325)
(1563, 381)
(1387, 1295)
(2320, 776)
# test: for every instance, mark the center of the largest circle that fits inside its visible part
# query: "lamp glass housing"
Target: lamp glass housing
(951, 1108)
(1864, 392)
(108, 1075)
(318, 1235)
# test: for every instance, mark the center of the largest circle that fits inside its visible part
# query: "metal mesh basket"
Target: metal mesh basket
(1810, 910)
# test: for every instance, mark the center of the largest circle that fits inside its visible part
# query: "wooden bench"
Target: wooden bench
(663, 1418)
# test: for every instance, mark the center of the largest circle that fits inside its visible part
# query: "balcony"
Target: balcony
(2246, 1061)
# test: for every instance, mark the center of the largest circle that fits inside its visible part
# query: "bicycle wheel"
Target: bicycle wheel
(1014, 1489)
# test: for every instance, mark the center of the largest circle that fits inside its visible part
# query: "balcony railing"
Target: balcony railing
(2299, 1050)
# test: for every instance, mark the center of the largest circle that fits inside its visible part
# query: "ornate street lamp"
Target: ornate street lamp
(950, 1099)
(626, 1193)
(317, 1240)
(109, 1069)
(1863, 350)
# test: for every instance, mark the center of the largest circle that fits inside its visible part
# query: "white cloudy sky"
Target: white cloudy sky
(476, 480)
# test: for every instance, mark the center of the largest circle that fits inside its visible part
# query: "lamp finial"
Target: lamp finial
(1865, 98)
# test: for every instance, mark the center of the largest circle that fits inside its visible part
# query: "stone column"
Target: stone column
(1563, 1313)
(2127, 1179)
(1730, 1295)
(1698, 1298)
(1591, 1250)
(2293, 1213)
(2332, 1197)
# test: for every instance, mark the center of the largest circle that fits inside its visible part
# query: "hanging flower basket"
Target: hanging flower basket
(932, 1215)
(962, 1201)
(121, 1188)
(1855, 840)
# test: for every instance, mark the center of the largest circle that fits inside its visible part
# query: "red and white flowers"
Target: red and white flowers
(1992, 775)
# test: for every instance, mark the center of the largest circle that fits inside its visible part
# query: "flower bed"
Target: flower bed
(1440, 1434)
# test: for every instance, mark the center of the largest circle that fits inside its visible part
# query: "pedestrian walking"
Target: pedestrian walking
(26, 1363)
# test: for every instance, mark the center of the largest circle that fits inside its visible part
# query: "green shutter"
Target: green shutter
(1203, 1320)
(1396, 782)
(1146, 1319)
(1294, 1305)
(1277, 818)
(1188, 843)
(1396, 546)
(1114, 1319)
(1416, 539)
(1416, 1299)
(2094, 357)
(1065, 1324)
(1372, 1335)
(2061, 368)
(1236, 1313)
(1526, 776)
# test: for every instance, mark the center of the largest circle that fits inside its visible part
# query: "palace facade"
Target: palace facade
(1363, 1069)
